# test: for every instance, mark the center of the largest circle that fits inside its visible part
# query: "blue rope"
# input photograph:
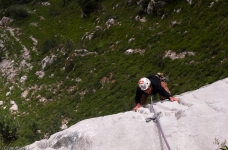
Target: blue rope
(159, 125)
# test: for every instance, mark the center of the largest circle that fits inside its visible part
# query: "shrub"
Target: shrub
(69, 45)
(5, 4)
(22, 1)
(17, 12)
(47, 45)
(31, 131)
(8, 127)
(66, 2)
(54, 11)
(221, 146)
(88, 6)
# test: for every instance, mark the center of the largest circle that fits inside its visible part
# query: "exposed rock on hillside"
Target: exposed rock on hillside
(173, 55)
(196, 123)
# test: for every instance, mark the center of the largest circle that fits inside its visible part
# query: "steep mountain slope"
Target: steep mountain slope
(58, 68)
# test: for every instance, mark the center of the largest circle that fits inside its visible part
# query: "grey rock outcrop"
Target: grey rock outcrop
(193, 124)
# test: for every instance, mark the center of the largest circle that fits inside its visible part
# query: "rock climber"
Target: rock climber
(152, 85)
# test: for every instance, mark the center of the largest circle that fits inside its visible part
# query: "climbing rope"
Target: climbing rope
(159, 124)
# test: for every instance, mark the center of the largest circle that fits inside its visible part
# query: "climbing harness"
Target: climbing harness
(158, 123)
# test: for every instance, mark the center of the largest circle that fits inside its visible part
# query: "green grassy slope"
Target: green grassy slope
(202, 30)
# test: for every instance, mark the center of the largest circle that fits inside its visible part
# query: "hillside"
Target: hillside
(60, 66)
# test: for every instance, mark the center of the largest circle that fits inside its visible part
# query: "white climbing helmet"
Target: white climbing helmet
(144, 83)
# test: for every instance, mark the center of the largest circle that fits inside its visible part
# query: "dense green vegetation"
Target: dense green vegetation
(71, 84)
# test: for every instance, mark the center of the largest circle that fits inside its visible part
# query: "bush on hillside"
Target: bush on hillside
(88, 6)
(17, 12)
(31, 131)
(22, 1)
(51, 43)
(66, 2)
(8, 127)
(47, 45)
(5, 4)
(69, 45)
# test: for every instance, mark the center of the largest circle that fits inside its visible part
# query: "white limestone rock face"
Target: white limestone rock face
(192, 124)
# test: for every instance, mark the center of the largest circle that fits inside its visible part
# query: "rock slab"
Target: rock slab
(195, 123)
